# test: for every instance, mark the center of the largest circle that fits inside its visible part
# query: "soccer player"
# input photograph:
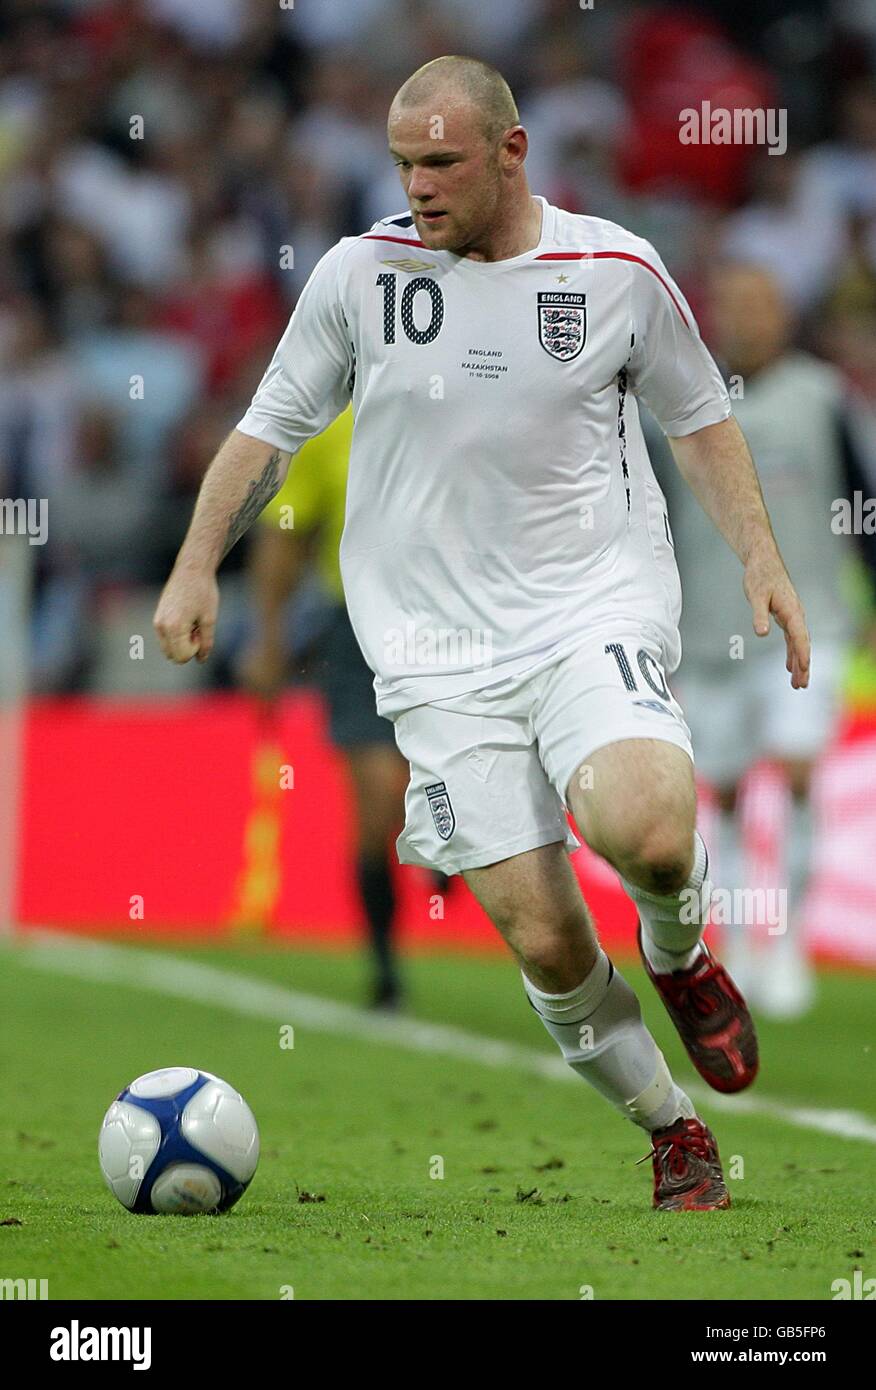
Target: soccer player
(797, 418)
(510, 578)
(308, 512)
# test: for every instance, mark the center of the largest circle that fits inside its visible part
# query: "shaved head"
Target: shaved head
(455, 79)
(457, 142)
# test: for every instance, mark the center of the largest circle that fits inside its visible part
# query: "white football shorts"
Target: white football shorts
(742, 711)
(490, 768)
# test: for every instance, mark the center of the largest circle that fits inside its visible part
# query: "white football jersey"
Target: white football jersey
(500, 502)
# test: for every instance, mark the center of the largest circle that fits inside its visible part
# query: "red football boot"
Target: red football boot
(687, 1169)
(712, 1020)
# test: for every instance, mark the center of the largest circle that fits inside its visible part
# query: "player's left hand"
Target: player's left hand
(768, 589)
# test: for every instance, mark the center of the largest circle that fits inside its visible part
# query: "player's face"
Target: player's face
(450, 173)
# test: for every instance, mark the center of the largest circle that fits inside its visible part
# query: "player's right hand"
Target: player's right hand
(185, 619)
(769, 590)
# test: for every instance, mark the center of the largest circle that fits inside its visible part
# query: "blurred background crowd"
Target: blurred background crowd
(171, 170)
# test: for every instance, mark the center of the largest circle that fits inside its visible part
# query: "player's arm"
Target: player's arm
(243, 477)
(717, 466)
(307, 384)
(672, 370)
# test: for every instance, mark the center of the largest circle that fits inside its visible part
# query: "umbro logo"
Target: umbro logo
(410, 265)
(657, 707)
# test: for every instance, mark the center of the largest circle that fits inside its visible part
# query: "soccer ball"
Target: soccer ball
(178, 1140)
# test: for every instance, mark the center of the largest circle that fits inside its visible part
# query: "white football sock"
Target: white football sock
(785, 982)
(600, 1032)
(765, 815)
(788, 949)
(799, 857)
(672, 924)
(737, 944)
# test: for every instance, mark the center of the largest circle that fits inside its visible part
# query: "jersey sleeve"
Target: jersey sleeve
(670, 367)
(309, 379)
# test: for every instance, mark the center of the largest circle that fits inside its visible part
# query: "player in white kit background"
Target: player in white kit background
(509, 573)
(808, 439)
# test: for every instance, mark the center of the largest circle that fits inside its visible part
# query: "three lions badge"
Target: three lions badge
(562, 323)
(442, 811)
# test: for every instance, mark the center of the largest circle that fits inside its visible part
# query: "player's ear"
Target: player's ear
(514, 147)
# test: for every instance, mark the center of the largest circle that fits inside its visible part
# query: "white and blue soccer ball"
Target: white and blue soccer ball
(178, 1140)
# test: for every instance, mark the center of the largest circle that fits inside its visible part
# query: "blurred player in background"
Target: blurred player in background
(801, 428)
(301, 526)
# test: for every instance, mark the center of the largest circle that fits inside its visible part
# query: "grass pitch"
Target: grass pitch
(540, 1196)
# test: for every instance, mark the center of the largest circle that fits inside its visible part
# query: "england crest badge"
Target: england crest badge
(442, 811)
(562, 323)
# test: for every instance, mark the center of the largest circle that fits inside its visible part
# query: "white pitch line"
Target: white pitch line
(107, 963)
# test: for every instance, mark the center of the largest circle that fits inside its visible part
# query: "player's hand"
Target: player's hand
(263, 669)
(768, 589)
(185, 619)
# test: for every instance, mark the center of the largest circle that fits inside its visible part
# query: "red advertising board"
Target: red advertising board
(200, 816)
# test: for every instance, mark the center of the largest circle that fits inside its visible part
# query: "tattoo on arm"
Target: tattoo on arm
(260, 492)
